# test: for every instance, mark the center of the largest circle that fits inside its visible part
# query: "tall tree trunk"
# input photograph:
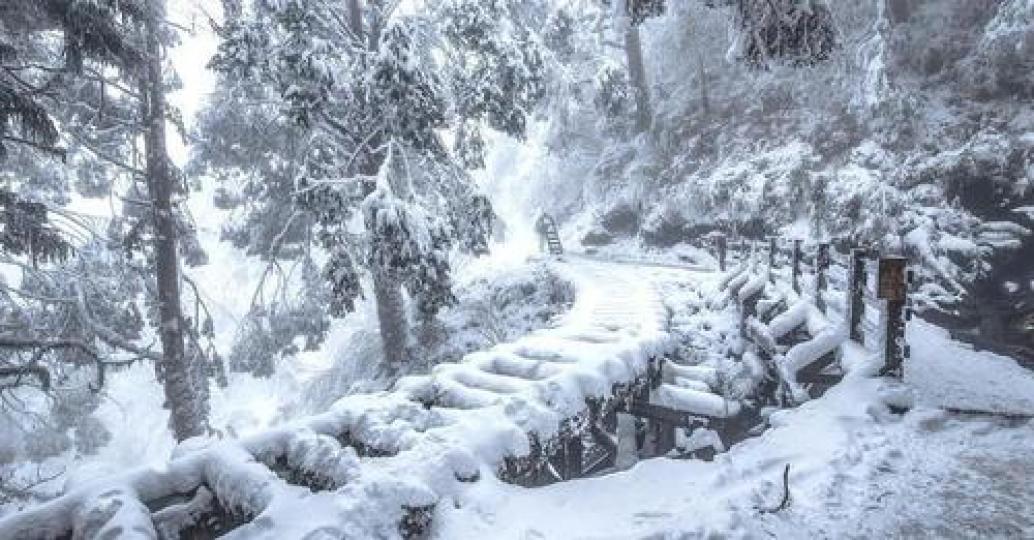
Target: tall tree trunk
(391, 306)
(391, 316)
(355, 18)
(637, 76)
(189, 416)
(705, 101)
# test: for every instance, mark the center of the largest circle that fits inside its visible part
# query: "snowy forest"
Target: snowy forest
(528, 269)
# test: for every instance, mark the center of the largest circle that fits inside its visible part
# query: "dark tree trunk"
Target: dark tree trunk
(355, 16)
(705, 101)
(391, 317)
(637, 76)
(189, 416)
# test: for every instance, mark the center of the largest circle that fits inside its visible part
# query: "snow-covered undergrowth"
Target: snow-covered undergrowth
(496, 308)
(498, 300)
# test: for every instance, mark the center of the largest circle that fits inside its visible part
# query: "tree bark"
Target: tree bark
(188, 414)
(705, 101)
(391, 316)
(355, 18)
(637, 76)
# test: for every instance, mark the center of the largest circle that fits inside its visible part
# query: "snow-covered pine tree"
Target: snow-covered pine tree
(87, 28)
(362, 83)
(84, 60)
(792, 32)
(185, 383)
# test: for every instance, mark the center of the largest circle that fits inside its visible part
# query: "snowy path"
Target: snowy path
(857, 470)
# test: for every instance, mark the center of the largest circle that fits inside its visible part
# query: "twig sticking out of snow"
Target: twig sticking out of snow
(786, 494)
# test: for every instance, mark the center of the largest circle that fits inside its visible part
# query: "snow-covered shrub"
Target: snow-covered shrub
(1002, 64)
(488, 311)
(496, 310)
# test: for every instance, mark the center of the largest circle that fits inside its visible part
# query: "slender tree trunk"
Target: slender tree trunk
(637, 76)
(705, 101)
(188, 414)
(391, 306)
(355, 18)
(391, 316)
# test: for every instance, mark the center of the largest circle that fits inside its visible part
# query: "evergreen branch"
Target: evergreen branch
(103, 156)
(45, 148)
(107, 335)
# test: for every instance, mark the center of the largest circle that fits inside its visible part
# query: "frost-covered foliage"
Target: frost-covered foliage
(364, 94)
(254, 154)
(786, 31)
(88, 31)
(296, 319)
(491, 311)
(499, 74)
(493, 306)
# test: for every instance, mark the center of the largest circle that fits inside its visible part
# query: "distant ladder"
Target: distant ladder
(553, 238)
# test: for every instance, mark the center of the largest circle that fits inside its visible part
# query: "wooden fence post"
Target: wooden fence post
(772, 250)
(797, 266)
(856, 294)
(893, 288)
(821, 281)
(721, 246)
(573, 457)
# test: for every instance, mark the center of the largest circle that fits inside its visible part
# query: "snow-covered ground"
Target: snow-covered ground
(951, 375)
(856, 468)
(856, 471)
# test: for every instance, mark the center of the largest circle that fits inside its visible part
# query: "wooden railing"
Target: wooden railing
(876, 288)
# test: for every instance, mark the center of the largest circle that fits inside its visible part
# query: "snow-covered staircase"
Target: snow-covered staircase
(553, 238)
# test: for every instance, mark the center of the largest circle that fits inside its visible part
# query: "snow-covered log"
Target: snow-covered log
(754, 286)
(704, 374)
(695, 402)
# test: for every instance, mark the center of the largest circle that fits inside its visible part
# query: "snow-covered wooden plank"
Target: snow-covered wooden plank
(695, 402)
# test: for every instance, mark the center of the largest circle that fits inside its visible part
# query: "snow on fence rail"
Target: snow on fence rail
(797, 295)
